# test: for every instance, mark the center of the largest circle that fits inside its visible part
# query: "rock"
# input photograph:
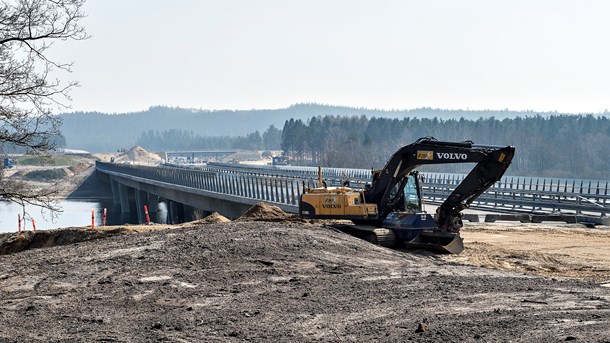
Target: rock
(422, 327)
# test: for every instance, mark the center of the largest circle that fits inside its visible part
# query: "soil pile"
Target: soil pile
(267, 282)
(16, 242)
(214, 218)
(262, 211)
(137, 154)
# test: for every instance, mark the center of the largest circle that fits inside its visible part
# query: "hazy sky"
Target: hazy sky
(542, 55)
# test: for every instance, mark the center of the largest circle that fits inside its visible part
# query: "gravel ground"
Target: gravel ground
(275, 281)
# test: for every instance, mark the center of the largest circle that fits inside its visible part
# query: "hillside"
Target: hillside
(101, 132)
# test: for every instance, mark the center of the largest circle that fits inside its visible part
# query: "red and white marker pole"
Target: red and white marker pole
(146, 213)
(19, 220)
(92, 219)
(34, 224)
(104, 218)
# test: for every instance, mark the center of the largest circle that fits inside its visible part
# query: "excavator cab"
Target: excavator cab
(412, 193)
(406, 195)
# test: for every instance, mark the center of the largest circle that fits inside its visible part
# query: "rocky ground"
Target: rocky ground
(282, 280)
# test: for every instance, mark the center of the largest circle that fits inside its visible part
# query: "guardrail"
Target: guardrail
(530, 195)
(509, 194)
(285, 184)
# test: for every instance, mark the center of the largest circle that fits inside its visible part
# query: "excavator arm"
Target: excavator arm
(492, 162)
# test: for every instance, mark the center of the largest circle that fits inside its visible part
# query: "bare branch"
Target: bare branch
(28, 95)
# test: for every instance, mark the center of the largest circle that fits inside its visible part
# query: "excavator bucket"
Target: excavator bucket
(442, 242)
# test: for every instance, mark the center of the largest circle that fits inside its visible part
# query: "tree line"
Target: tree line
(566, 146)
(176, 140)
(570, 146)
(103, 132)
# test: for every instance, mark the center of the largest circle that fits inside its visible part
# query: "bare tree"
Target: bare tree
(29, 91)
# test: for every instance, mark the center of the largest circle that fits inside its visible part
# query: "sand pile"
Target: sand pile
(214, 218)
(139, 155)
(265, 212)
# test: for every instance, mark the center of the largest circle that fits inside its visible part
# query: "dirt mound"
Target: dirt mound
(265, 212)
(11, 243)
(80, 168)
(139, 155)
(214, 218)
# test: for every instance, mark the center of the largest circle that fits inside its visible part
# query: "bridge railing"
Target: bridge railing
(529, 195)
(272, 189)
(509, 194)
(285, 185)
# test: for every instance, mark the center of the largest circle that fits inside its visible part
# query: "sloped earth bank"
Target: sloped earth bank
(267, 281)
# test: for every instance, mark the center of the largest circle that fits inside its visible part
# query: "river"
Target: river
(73, 213)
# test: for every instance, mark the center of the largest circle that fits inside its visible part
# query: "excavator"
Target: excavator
(389, 210)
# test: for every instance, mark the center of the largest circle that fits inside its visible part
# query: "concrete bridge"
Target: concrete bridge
(232, 189)
(187, 191)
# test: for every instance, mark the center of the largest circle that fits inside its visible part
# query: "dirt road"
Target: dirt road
(285, 282)
(547, 249)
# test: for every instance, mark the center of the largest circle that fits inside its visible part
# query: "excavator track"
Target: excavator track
(379, 236)
(431, 240)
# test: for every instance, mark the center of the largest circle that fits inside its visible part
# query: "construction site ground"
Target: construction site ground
(284, 280)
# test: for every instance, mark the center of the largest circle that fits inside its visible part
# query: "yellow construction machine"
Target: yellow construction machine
(389, 210)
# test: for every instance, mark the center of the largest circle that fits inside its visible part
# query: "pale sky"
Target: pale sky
(541, 55)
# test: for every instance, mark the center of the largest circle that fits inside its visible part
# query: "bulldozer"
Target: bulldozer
(389, 211)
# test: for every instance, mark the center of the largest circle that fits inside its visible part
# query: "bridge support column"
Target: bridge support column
(191, 213)
(175, 212)
(141, 200)
(124, 197)
(116, 197)
(153, 207)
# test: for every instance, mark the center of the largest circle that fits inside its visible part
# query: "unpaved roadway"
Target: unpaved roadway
(548, 249)
(297, 282)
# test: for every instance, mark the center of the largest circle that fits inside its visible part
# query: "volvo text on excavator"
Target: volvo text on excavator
(389, 211)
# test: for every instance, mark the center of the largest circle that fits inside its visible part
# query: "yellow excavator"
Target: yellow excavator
(389, 210)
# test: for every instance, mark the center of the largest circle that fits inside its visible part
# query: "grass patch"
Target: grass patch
(46, 175)
(48, 160)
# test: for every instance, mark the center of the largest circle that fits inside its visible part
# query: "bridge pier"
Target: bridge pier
(191, 213)
(153, 207)
(141, 200)
(116, 198)
(124, 197)
(175, 212)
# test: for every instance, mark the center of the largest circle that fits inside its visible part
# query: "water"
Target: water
(74, 213)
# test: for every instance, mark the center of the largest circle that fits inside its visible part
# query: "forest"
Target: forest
(565, 146)
(177, 140)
